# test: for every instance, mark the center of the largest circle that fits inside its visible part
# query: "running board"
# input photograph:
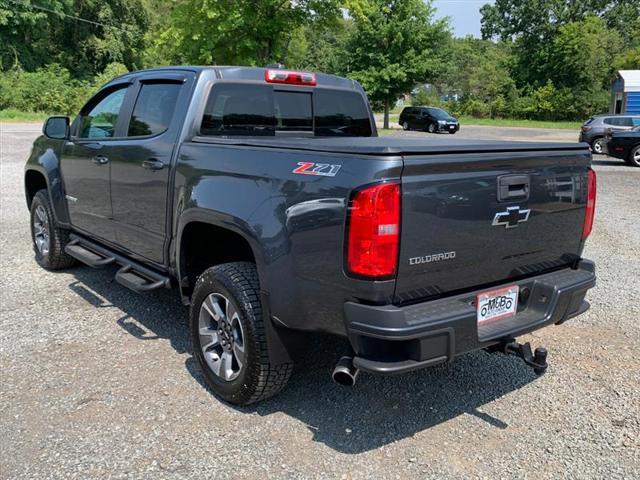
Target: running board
(131, 274)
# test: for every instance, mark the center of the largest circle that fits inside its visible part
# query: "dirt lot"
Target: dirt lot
(97, 382)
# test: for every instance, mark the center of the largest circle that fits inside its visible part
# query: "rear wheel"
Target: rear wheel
(48, 239)
(634, 157)
(598, 146)
(229, 338)
(405, 125)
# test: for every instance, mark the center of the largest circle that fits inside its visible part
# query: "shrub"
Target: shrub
(477, 109)
(51, 89)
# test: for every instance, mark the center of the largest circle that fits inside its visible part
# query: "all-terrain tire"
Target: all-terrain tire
(258, 379)
(52, 255)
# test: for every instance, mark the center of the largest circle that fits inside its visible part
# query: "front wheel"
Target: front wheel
(229, 338)
(634, 157)
(405, 126)
(48, 239)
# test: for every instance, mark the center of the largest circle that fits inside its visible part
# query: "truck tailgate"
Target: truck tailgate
(474, 219)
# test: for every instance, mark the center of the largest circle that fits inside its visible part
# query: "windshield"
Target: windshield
(438, 113)
(262, 110)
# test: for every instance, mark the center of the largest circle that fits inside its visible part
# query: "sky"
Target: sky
(464, 14)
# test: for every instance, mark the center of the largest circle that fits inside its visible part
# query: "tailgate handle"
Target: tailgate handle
(513, 187)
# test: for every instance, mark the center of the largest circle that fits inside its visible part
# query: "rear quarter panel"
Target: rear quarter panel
(295, 223)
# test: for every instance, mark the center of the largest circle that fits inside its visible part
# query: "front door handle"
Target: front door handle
(153, 164)
(100, 160)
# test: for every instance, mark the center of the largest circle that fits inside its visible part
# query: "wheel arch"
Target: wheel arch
(205, 240)
(34, 181)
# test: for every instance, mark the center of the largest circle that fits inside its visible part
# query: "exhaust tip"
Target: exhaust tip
(345, 373)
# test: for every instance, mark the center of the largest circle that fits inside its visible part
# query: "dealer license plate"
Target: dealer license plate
(497, 304)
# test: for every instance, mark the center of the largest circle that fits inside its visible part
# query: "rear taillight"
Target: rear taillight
(586, 129)
(289, 77)
(373, 232)
(591, 204)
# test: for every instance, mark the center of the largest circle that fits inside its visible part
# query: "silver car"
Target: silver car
(594, 130)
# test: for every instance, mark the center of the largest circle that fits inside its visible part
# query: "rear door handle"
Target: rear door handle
(153, 164)
(100, 160)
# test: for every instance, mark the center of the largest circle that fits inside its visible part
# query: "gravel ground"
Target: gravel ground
(98, 382)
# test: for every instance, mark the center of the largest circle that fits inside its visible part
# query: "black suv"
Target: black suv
(431, 119)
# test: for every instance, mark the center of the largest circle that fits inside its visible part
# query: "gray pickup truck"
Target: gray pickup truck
(266, 197)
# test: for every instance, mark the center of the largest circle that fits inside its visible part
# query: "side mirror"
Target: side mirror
(56, 128)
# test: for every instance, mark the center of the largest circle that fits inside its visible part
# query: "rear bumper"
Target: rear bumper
(389, 339)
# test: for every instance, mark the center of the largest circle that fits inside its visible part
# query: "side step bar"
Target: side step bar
(132, 275)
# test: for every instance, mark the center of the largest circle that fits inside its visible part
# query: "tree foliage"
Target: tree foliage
(394, 45)
(238, 32)
(33, 38)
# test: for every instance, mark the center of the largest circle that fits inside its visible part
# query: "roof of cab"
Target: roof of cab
(247, 74)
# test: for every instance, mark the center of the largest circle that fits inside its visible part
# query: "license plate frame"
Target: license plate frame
(505, 304)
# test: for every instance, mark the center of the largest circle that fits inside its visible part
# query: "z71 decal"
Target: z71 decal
(310, 168)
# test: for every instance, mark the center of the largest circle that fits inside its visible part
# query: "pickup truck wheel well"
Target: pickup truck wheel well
(204, 245)
(34, 181)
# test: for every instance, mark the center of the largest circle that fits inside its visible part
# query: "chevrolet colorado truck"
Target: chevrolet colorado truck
(266, 197)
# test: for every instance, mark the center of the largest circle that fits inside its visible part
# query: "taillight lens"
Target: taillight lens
(586, 129)
(289, 77)
(591, 204)
(373, 231)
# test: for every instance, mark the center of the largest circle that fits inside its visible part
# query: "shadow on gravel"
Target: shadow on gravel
(382, 410)
(609, 162)
(377, 411)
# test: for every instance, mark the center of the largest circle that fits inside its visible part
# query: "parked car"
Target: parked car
(594, 130)
(625, 145)
(431, 119)
(267, 200)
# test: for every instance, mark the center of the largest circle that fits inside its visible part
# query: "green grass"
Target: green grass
(13, 115)
(512, 122)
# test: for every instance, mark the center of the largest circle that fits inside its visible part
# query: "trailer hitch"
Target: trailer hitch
(536, 360)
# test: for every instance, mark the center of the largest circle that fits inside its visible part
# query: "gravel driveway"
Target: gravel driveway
(98, 382)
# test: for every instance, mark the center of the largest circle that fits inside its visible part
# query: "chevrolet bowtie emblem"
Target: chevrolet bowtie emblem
(511, 218)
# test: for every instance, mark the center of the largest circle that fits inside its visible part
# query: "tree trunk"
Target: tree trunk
(385, 124)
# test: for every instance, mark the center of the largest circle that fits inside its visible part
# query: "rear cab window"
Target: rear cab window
(153, 109)
(266, 110)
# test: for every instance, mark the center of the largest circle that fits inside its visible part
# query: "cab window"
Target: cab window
(99, 121)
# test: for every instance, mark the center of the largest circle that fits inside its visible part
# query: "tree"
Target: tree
(319, 47)
(533, 26)
(245, 32)
(33, 37)
(394, 45)
(479, 71)
(581, 53)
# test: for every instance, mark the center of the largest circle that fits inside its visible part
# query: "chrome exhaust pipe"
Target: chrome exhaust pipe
(345, 373)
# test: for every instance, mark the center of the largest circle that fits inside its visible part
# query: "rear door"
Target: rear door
(474, 219)
(140, 167)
